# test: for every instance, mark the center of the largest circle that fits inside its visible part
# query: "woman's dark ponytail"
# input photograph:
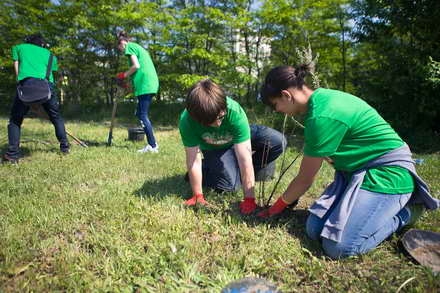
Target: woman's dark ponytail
(123, 36)
(281, 78)
(301, 73)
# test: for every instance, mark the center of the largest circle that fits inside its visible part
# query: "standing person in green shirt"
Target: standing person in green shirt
(30, 63)
(234, 153)
(376, 190)
(145, 85)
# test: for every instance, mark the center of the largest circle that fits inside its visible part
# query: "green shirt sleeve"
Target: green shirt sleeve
(130, 50)
(189, 138)
(323, 136)
(240, 124)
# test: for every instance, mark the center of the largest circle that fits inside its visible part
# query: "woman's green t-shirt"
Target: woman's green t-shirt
(144, 80)
(351, 133)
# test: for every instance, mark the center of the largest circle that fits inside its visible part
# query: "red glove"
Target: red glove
(120, 75)
(275, 209)
(248, 205)
(197, 198)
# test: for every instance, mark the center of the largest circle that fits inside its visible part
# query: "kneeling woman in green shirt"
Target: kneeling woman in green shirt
(376, 190)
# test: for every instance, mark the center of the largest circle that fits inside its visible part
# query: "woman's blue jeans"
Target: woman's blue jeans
(19, 110)
(375, 216)
(143, 107)
(220, 168)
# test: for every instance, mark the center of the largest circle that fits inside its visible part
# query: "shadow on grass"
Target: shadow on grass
(102, 143)
(163, 187)
(41, 145)
(294, 220)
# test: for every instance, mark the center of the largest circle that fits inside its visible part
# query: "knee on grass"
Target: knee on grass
(338, 250)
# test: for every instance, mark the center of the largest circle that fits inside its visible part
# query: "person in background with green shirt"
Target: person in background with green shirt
(376, 190)
(234, 153)
(30, 62)
(145, 85)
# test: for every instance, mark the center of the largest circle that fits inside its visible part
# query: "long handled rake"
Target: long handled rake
(112, 123)
(43, 115)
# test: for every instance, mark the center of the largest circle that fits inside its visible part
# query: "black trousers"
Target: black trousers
(19, 110)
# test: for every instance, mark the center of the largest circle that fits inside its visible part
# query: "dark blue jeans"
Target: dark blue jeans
(19, 110)
(220, 168)
(142, 110)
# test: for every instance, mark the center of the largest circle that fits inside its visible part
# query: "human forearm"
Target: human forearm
(134, 67)
(248, 181)
(244, 156)
(131, 70)
(302, 182)
(299, 185)
(195, 179)
(194, 167)
(295, 190)
(16, 68)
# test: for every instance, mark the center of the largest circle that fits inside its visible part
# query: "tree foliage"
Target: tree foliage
(395, 41)
(383, 51)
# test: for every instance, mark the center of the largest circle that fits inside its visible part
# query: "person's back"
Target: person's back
(33, 61)
(145, 80)
(30, 61)
(347, 129)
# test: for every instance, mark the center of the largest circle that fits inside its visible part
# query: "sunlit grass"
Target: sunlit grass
(110, 219)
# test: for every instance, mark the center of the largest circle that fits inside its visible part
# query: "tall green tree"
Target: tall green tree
(19, 18)
(294, 24)
(395, 41)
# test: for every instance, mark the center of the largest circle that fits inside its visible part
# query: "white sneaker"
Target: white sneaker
(149, 149)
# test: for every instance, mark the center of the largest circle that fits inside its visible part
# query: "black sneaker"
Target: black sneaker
(65, 148)
(65, 151)
(8, 159)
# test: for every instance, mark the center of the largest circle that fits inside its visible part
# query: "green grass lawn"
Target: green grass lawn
(110, 219)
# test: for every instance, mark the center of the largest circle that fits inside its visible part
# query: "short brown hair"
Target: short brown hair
(205, 101)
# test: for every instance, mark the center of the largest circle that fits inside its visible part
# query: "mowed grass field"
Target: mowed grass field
(108, 219)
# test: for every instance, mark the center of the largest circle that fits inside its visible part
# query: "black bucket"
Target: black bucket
(136, 134)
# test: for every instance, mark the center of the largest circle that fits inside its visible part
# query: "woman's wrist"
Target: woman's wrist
(286, 199)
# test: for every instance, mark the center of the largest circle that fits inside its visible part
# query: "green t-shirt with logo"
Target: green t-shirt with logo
(33, 61)
(233, 129)
(144, 80)
(351, 133)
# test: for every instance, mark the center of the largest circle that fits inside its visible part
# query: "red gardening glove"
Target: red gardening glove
(121, 75)
(248, 205)
(121, 81)
(197, 198)
(275, 209)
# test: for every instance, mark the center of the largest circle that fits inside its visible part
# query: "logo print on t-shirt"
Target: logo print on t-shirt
(217, 138)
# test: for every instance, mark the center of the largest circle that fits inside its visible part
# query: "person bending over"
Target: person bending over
(145, 84)
(234, 152)
(30, 63)
(376, 190)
